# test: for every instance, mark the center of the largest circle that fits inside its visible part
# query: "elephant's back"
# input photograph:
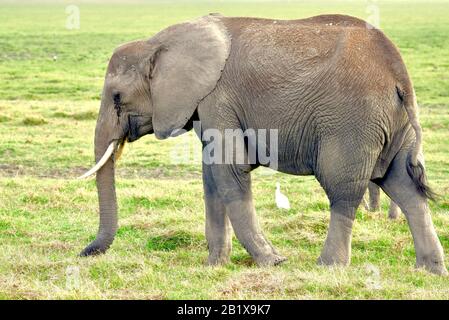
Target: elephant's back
(238, 24)
(305, 44)
(340, 56)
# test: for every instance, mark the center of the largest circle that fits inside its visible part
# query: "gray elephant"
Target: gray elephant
(332, 89)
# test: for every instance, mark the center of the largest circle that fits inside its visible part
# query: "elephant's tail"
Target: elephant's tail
(415, 168)
(411, 107)
(418, 175)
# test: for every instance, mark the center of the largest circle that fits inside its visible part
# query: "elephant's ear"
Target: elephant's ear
(186, 68)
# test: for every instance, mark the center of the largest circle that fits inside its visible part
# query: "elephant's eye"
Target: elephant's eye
(116, 98)
(117, 103)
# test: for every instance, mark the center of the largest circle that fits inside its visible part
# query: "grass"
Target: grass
(48, 108)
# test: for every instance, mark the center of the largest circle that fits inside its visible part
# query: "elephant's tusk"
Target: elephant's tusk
(119, 151)
(102, 161)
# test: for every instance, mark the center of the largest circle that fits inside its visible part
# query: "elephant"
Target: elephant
(332, 91)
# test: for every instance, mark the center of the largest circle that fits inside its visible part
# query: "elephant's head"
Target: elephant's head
(152, 86)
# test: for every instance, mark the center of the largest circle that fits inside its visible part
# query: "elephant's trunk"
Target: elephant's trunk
(106, 191)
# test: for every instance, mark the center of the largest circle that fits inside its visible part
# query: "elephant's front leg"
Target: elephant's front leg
(234, 187)
(218, 226)
(249, 233)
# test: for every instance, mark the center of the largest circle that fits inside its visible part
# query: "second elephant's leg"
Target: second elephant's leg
(394, 211)
(374, 196)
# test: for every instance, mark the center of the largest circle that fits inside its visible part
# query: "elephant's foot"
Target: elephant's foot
(95, 248)
(334, 255)
(374, 205)
(264, 253)
(219, 258)
(394, 211)
(272, 259)
(432, 263)
(92, 250)
(217, 261)
(331, 260)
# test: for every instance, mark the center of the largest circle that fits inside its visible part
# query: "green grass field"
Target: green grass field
(50, 83)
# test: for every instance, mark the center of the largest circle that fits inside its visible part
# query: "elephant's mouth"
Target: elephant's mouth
(138, 126)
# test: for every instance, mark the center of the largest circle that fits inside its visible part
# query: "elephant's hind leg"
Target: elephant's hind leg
(344, 175)
(337, 247)
(401, 189)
